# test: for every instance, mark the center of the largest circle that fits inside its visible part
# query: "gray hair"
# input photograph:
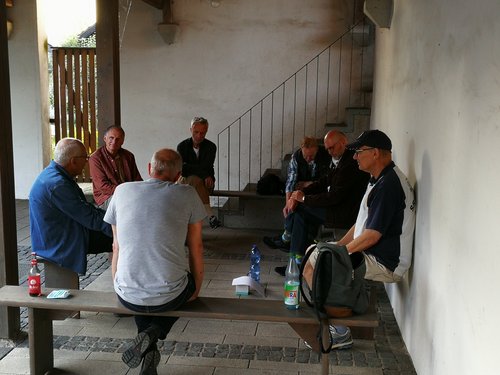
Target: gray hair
(66, 149)
(199, 120)
(166, 162)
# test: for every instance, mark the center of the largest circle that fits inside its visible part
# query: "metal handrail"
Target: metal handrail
(317, 93)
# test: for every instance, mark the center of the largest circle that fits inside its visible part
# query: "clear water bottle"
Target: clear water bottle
(292, 284)
(34, 280)
(255, 263)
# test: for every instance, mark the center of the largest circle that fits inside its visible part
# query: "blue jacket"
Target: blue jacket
(60, 219)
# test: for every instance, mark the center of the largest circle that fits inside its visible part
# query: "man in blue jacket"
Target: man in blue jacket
(64, 226)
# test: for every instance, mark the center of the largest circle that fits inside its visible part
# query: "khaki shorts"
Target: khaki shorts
(374, 270)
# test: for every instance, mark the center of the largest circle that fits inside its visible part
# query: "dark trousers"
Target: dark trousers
(303, 224)
(160, 325)
(99, 243)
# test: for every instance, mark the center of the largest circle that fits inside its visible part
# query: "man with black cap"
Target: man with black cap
(385, 223)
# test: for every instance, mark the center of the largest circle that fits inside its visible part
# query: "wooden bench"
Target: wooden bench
(243, 194)
(42, 311)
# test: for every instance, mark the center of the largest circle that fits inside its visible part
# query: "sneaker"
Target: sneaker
(150, 361)
(280, 270)
(214, 222)
(133, 355)
(339, 341)
(276, 243)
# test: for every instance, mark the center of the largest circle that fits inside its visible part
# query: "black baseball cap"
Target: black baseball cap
(371, 138)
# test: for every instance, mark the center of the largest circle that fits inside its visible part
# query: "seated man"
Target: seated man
(385, 222)
(334, 199)
(64, 226)
(307, 165)
(198, 157)
(111, 165)
(152, 220)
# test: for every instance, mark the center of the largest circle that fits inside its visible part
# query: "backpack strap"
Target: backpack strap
(301, 277)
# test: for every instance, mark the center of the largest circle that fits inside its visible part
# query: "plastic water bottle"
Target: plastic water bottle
(34, 281)
(292, 284)
(255, 263)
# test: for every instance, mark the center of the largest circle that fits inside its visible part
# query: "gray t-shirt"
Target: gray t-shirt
(152, 219)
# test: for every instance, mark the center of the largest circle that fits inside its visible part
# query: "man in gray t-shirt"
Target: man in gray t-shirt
(152, 220)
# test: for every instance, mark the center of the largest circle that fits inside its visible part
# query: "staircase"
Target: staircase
(331, 91)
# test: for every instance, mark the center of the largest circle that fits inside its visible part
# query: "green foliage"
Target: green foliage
(74, 41)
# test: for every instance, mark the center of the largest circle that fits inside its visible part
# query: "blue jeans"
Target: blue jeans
(160, 325)
(303, 224)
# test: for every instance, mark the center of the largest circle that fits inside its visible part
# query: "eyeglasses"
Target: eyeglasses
(82, 156)
(357, 152)
(332, 146)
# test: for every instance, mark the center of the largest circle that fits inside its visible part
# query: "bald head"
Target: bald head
(70, 153)
(335, 142)
(166, 165)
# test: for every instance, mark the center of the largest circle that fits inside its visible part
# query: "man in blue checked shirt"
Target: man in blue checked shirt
(307, 165)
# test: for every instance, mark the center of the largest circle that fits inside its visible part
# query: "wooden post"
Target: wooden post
(9, 273)
(108, 66)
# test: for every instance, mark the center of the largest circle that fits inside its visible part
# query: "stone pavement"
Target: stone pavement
(93, 344)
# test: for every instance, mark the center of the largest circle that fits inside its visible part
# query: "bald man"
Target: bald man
(152, 220)
(64, 226)
(333, 199)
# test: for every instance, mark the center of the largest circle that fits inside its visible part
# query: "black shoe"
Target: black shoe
(276, 243)
(133, 355)
(214, 222)
(150, 361)
(280, 270)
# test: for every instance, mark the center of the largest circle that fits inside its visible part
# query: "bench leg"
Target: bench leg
(309, 333)
(40, 341)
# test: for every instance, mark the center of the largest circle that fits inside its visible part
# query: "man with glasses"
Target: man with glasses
(64, 226)
(384, 227)
(333, 199)
(198, 157)
(111, 165)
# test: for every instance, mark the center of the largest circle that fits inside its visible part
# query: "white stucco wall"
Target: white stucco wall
(29, 95)
(437, 94)
(223, 62)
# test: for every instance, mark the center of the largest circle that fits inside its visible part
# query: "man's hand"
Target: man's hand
(302, 184)
(209, 183)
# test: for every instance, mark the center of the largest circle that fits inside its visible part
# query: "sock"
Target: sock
(285, 237)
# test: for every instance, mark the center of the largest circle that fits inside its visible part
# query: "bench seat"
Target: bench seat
(41, 312)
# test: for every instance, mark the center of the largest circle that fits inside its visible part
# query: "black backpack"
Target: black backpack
(338, 283)
(270, 184)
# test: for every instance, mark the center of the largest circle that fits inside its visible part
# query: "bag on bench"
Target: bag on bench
(338, 284)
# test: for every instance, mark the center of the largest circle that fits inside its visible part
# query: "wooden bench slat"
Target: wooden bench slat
(203, 307)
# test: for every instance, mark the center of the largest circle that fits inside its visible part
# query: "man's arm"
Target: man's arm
(196, 265)
(68, 200)
(100, 179)
(116, 248)
(367, 239)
